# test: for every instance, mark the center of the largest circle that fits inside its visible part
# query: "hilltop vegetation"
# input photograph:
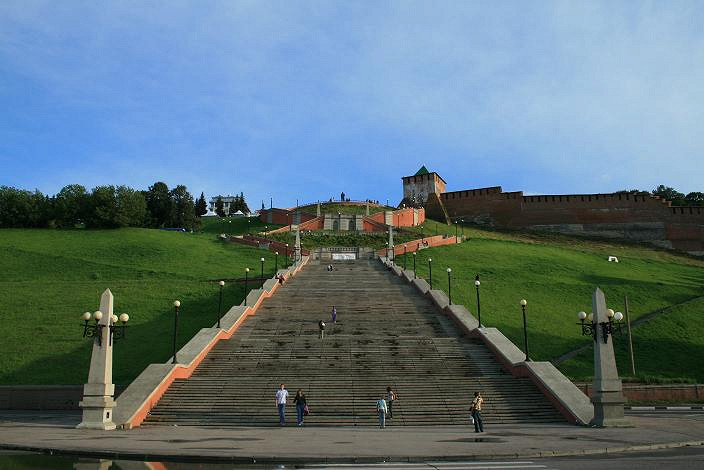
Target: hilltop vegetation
(49, 277)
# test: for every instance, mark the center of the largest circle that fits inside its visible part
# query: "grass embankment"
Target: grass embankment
(49, 277)
(557, 276)
(234, 225)
(334, 208)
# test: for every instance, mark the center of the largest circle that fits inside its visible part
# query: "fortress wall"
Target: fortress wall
(485, 206)
(619, 216)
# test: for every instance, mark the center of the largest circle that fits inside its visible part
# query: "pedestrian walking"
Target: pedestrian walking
(301, 406)
(381, 410)
(334, 315)
(321, 327)
(281, 398)
(391, 398)
(476, 412)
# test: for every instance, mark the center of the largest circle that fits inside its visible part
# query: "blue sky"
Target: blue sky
(299, 99)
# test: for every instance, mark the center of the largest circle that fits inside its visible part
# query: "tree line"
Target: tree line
(102, 207)
(677, 198)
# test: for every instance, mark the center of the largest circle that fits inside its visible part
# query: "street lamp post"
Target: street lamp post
(430, 271)
(393, 253)
(246, 277)
(222, 284)
(415, 276)
(177, 305)
(479, 308)
(286, 256)
(525, 331)
(456, 241)
(261, 260)
(276, 261)
(266, 230)
(462, 226)
(405, 248)
(449, 285)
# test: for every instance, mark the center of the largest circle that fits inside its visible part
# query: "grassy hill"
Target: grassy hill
(335, 207)
(49, 277)
(557, 276)
(234, 225)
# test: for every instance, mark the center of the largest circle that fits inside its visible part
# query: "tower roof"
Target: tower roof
(423, 171)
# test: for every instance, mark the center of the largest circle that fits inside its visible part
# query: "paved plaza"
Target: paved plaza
(55, 432)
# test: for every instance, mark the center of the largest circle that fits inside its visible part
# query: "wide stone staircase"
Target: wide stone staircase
(387, 334)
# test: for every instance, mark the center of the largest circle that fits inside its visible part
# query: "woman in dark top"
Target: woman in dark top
(300, 402)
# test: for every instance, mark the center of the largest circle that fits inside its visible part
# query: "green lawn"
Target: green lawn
(234, 225)
(557, 277)
(49, 277)
(334, 208)
(670, 346)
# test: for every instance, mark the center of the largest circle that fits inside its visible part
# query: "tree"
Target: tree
(131, 207)
(670, 194)
(159, 204)
(219, 207)
(184, 213)
(695, 199)
(102, 208)
(70, 205)
(21, 208)
(243, 204)
(201, 206)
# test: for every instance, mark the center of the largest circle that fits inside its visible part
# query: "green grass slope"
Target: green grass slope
(557, 276)
(49, 277)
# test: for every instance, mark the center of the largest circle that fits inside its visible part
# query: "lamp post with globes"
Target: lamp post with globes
(607, 328)
(276, 262)
(405, 249)
(222, 284)
(95, 330)
(456, 240)
(261, 260)
(524, 302)
(449, 285)
(415, 276)
(286, 262)
(430, 271)
(177, 305)
(479, 308)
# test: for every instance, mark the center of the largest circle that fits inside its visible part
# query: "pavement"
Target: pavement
(55, 433)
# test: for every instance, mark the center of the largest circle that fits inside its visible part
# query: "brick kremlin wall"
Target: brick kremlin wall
(618, 216)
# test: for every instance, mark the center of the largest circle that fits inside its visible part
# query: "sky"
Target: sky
(304, 99)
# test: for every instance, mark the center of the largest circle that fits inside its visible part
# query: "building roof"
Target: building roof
(423, 171)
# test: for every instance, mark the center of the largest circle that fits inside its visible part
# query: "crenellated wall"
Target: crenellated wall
(641, 218)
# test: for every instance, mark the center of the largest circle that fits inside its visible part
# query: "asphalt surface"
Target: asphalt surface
(445, 447)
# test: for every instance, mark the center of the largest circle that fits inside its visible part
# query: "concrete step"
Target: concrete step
(387, 335)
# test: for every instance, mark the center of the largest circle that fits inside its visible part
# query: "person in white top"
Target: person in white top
(281, 397)
(381, 410)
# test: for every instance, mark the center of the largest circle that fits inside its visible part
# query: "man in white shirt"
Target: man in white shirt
(281, 397)
(381, 410)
